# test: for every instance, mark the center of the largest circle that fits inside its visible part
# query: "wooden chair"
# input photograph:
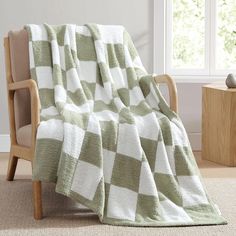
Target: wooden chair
(24, 107)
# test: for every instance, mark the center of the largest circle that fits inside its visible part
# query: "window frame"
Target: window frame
(163, 44)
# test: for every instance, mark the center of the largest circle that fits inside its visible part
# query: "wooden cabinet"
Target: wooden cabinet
(219, 124)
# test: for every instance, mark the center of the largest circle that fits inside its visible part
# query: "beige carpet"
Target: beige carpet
(62, 216)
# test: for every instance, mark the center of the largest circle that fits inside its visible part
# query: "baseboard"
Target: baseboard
(4, 143)
(195, 140)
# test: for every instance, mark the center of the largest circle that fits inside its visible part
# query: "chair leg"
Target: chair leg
(11, 167)
(37, 198)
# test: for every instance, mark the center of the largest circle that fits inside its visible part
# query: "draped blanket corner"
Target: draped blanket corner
(106, 137)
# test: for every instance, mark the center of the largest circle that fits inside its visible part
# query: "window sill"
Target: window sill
(197, 79)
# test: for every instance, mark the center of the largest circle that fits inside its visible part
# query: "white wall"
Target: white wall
(136, 16)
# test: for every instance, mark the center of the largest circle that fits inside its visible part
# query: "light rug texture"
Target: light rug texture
(62, 217)
(107, 137)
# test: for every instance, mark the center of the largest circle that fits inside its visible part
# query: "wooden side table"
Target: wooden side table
(219, 124)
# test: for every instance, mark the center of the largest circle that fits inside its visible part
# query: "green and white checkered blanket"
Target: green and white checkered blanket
(107, 137)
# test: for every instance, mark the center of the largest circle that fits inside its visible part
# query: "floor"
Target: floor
(62, 217)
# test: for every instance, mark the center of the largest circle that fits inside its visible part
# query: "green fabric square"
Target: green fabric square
(144, 84)
(60, 33)
(102, 106)
(132, 78)
(91, 150)
(116, 57)
(42, 53)
(33, 74)
(75, 118)
(126, 172)
(184, 165)
(105, 74)
(89, 89)
(125, 116)
(78, 97)
(69, 58)
(85, 48)
(149, 148)
(141, 109)
(107, 192)
(99, 79)
(166, 130)
(109, 135)
(49, 172)
(168, 185)
(147, 208)
(46, 97)
(59, 76)
(124, 96)
(202, 212)
(65, 177)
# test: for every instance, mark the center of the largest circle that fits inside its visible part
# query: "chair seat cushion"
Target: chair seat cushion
(23, 135)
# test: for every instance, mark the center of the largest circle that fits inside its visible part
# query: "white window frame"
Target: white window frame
(163, 45)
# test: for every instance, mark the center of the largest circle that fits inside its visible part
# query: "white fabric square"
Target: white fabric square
(148, 126)
(73, 81)
(164, 160)
(103, 93)
(86, 179)
(119, 104)
(60, 94)
(119, 77)
(93, 124)
(138, 63)
(147, 184)
(121, 203)
(100, 50)
(83, 30)
(39, 33)
(31, 55)
(107, 115)
(152, 101)
(171, 158)
(62, 57)
(192, 191)
(111, 33)
(173, 213)
(44, 77)
(128, 59)
(88, 71)
(55, 53)
(179, 135)
(136, 96)
(73, 140)
(50, 111)
(128, 141)
(84, 108)
(108, 162)
(50, 129)
(70, 38)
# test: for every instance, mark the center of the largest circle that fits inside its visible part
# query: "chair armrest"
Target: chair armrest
(34, 99)
(166, 79)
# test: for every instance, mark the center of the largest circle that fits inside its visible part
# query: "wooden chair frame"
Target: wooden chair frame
(27, 153)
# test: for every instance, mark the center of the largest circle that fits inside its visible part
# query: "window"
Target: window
(195, 37)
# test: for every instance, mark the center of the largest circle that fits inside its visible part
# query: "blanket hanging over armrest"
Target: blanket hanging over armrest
(107, 138)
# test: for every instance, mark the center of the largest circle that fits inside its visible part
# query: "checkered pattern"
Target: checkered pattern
(107, 137)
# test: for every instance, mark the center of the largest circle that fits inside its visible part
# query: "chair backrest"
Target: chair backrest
(19, 57)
